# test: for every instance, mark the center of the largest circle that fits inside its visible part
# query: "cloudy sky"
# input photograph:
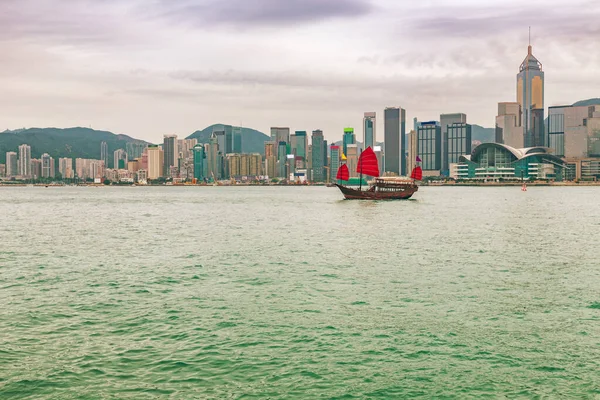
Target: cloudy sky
(153, 67)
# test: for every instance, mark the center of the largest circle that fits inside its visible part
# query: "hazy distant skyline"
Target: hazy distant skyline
(148, 68)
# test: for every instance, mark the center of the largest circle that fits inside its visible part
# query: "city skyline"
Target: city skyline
(111, 65)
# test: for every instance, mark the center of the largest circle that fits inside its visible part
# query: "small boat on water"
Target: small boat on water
(382, 187)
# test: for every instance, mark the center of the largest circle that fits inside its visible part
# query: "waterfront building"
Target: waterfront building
(25, 161)
(89, 168)
(509, 130)
(394, 127)
(456, 142)
(326, 161)
(47, 166)
(12, 169)
(199, 160)
(412, 151)
(593, 125)
(378, 150)
(142, 176)
(270, 159)
(234, 165)
(120, 159)
(104, 153)
(170, 153)
(495, 161)
(318, 172)
(348, 138)
(445, 121)
(309, 163)
(185, 148)
(65, 168)
(352, 159)
(133, 166)
(369, 130)
(2, 170)
(429, 147)
(530, 96)
(334, 162)
(155, 162)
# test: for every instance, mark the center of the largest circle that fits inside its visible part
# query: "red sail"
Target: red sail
(417, 173)
(367, 163)
(343, 174)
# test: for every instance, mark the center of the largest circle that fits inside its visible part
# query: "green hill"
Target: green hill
(588, 102)
(70, 142)
(484, 135)
(253, 141)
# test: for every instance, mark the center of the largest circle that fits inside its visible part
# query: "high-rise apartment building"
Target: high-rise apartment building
(135, 149)
(530, 96)
(12, 169)
(394, 126)
(270, 159)
(429, 146)
(120, 159)
(412, 151)
(36, 168)
(509, 130)
(170, 154)
(279, 134)
(318, 170)
(47, 166)
(348, 138)
(369, 130)
(65, 168)
(104, 153)
(155, 162)
(25, 161)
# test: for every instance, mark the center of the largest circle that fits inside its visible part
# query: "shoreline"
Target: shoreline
(462, 184)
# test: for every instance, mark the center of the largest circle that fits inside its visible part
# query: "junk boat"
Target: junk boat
(381, 188)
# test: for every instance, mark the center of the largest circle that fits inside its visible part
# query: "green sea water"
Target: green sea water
(291, 293)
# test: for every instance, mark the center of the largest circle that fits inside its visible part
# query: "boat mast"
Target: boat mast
(360, 168)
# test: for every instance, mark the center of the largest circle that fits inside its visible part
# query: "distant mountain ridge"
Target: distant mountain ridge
(253, 141)
(588, 102)
(69, 142)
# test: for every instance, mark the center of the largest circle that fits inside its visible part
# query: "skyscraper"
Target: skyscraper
(445, 121)
(270, 159)
(213, 162)
(280, 134)
(509, 130)
(394, 120)
(348, 138)
(104, 153)
(237, 139)
(12, 169)
(318, 172)
(25, 161)
(412, 151)
(170, 154)
(352, 159)
(155, 162)
(299, 143)
(456, 143)
(334, 162)
(530, 96)
(369, 130)
(429, 146)
(199, 162)
(134, 149)
(282, 159)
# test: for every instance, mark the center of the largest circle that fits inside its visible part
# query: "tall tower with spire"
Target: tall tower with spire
(530, 96)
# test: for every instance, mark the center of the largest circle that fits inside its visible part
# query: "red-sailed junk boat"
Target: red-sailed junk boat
(382, 188)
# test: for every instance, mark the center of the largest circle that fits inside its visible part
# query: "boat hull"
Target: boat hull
(353, 194)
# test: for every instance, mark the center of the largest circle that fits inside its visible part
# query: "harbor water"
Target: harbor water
(292, 292)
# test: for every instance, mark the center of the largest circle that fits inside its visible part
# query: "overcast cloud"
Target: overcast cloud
(148, 68)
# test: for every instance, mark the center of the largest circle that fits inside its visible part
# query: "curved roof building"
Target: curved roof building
(495, 161)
